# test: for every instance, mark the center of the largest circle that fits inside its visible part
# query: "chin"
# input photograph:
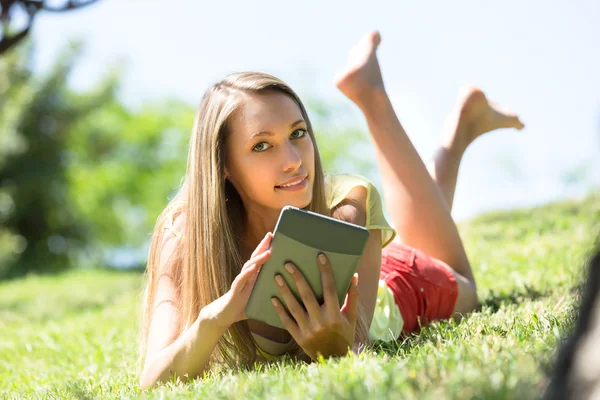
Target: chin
(298, 201)
(304, 205)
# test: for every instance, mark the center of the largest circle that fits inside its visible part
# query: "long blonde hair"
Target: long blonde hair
(207, 256)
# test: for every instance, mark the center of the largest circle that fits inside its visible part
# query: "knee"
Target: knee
(466, 300)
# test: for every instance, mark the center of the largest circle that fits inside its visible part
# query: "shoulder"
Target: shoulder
(353, 198)
(348, 197)
(337, 182)
(341, 187)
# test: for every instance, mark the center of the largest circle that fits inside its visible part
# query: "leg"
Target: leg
(417, 207)
(472, 116)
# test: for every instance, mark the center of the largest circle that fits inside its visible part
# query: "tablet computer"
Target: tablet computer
(299, 237)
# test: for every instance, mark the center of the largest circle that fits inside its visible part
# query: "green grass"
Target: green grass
(74, 335)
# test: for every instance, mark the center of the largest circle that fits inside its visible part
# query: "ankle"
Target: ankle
(373, 100)
(455, 137)
(455, 148)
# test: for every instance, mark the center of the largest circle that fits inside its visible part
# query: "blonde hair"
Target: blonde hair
(207, 256)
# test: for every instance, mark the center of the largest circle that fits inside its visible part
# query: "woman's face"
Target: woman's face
(270, 155)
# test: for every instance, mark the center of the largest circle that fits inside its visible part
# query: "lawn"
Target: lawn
(74, 335)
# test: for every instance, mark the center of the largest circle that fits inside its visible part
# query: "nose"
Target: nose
(291, 159)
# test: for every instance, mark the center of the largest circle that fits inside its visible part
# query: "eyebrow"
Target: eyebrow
(267, 133)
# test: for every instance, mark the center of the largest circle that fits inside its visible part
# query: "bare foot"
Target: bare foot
(477, 115)
(361, 76)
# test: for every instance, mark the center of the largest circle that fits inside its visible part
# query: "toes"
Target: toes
(372, 39)
(509, 120)
(375, 38)
(518, 124)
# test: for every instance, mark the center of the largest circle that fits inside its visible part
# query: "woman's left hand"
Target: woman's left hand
(324, 329)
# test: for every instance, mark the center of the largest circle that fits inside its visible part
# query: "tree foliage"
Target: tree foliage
(80, 173)
(38, 216)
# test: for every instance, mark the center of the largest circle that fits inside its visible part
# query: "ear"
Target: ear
(225, 174)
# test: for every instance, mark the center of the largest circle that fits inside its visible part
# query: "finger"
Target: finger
(248, 285)
(286, 320)
(251, 273)
(261, 258)
(245, 277)
(306, 293)
(329, 293)
(263, 245)
(258, 259)
(350, 307)
(294, 307)
(251, 269)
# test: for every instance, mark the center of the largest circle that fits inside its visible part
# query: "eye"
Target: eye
(264, 146)
(260, 147)
(300, 135)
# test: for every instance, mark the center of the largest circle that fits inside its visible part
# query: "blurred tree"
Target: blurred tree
(123, 168)
(24, 11)
(80, 174)
(14, 94)
(36, 116)
(343, 147)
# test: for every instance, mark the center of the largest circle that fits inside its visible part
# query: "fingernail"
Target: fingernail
(289, 268)
(274, 302)
(279, 280)
(322, 259)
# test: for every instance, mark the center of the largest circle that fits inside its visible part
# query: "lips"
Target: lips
(293, 181)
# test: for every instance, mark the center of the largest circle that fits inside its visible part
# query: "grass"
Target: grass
(74, 335)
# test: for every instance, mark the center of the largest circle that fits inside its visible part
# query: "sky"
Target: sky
(540, 59)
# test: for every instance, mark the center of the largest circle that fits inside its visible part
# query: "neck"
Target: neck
(258, 222)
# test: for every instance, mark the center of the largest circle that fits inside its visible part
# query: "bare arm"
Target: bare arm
(166, 352)
(353, 209)
(369, 268)
(188, 354)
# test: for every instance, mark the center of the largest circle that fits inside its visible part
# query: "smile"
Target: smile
(296, 185)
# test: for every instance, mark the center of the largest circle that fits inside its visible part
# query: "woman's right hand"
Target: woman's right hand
(230, 308)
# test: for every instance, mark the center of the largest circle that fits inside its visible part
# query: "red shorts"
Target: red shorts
(424, 288)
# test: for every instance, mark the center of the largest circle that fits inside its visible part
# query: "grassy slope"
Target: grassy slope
(74, 335)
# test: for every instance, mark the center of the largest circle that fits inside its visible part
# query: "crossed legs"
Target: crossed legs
(419, 197)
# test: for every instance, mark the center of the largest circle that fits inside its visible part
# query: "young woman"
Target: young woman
(253, 151)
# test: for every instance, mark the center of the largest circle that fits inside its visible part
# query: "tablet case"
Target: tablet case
(299, 237)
